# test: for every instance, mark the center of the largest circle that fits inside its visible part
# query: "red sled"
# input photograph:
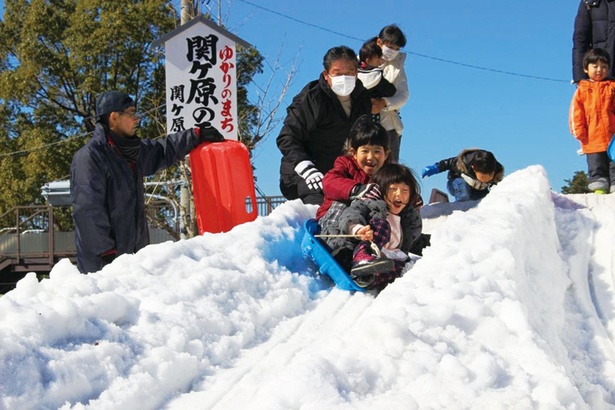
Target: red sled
(223, 186)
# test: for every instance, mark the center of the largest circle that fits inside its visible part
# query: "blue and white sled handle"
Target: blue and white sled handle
(312, 248)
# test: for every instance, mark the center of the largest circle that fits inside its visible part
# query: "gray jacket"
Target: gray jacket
(362, 211)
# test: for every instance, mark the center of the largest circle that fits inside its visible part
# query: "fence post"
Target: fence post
(17, 226)
(50, 238)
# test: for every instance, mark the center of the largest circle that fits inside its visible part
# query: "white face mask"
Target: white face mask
(343, 85)
(388, 53)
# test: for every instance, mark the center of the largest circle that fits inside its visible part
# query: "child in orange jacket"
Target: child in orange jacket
(592, 119)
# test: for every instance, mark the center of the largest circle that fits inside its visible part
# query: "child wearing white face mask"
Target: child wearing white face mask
(371, 75)
(391, 40)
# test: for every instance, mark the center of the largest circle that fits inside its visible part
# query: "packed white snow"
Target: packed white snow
(511, 307)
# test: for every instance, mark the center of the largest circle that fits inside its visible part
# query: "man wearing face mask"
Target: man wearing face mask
(391, 39)
(317, 124)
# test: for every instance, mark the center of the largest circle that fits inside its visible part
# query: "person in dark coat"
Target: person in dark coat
(389, 227)
(317, 123)
(470, 174)
(371, 74)
(106, 180)
(594, 27)
(391, 40)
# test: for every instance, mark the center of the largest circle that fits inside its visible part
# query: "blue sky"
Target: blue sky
(523, 120)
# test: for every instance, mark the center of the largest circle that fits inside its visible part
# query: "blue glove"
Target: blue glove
(430, 170)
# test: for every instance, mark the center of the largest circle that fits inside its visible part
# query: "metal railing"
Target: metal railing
(266, 204)
(25, 232)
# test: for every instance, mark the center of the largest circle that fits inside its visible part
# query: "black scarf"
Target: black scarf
(129, 147)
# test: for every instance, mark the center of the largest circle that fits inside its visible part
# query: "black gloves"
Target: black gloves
(209, 134)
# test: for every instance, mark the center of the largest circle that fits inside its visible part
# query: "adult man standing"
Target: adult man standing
(317, 124)
(106, 180)
(594, 27)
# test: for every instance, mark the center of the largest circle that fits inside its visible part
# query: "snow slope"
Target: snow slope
(511, 307)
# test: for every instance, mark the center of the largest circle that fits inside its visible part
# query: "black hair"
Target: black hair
(391, 174)
(365, 131)
(339, 53)
(483, 161)
(369, 49)
(596, 55)
(393, 35)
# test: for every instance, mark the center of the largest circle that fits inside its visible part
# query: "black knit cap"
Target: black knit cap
(112, 101)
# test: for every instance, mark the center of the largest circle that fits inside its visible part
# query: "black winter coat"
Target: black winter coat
(316, 125)
(461, 165)
(108, 198)
(594, 27)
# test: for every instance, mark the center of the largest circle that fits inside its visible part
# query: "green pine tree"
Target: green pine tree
(57, 56)
(576, 185)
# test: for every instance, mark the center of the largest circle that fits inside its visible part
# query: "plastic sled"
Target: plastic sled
(315, 250)
(223, 185)
(611, 149)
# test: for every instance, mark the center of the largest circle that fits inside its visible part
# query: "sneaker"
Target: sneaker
(599, 184)
(600, 191)
(612, 189)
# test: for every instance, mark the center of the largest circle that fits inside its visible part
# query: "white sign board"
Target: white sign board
(201, 81)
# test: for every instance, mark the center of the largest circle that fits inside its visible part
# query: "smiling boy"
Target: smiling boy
(592, 119)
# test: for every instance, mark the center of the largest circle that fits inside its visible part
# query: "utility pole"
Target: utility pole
(185, 205)
(187, 12)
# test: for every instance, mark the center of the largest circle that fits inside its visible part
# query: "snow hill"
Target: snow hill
(512, 307)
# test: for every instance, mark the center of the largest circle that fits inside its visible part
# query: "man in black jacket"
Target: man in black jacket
(317, 124)
(594, 27)
(106, 180)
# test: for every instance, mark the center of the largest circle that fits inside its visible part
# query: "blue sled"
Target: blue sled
(313, 249)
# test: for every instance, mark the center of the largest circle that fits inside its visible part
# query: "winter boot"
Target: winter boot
(367, 263)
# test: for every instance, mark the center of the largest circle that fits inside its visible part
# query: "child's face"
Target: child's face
(374, 61)
(484, 177)
(370, 158)
(597, 71)
(397, 197)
